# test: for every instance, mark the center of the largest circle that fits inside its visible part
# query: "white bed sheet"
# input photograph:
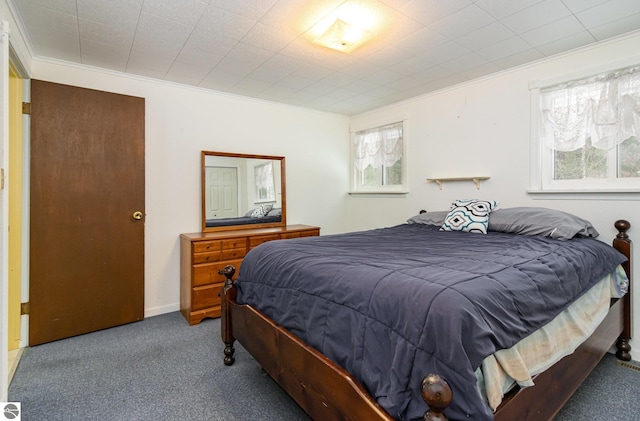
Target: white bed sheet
(501, 371)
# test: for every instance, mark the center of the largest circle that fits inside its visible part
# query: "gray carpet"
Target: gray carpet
(162, 369)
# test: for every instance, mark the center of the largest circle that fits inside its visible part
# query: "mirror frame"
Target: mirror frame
(283, 191)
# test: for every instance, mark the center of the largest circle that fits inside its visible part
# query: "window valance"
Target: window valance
(381, 146)
(604, 109)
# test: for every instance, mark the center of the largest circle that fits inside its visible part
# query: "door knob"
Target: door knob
(137, 215)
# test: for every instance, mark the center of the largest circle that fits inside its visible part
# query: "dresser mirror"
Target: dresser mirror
(242, 191)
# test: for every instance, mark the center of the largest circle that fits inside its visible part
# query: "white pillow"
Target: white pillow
(262, 210)
(469, 216)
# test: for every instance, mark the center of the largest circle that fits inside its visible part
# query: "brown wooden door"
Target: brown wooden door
(87, 180)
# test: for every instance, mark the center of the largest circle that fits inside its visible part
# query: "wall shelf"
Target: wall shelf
(440, 181)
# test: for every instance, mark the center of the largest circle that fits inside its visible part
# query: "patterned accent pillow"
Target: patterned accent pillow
(262, 210)
(469, 215)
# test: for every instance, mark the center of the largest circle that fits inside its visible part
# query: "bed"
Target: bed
(349, 336)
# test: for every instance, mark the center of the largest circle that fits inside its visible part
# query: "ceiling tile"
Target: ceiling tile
(205, 40)
(255, 11)
(612, 29)
(267, 37)
(267, 75)
(220, 80)
(482, 70)
(504, 48)
(160, 35)
(608, 12)
(535, 16)
(249, 86)
(106, 34)
(466, 62)
(519, 58)
(114, 13)
(566, 43)
(240, 67)
(412, 65)
(554, 31)
(195, 57)
(430, 11)
(485, 36)
(225, 23)
(447, 52)
(249, 53)
(146, 64)
(462, 22)
(500, 9)
(62, 6)
(187, 73)
(580, 5)
(186, 12)
(339, 79)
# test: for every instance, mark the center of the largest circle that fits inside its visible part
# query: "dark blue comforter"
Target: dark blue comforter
(394, 304)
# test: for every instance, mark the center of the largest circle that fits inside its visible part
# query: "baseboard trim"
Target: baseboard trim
(156, 311)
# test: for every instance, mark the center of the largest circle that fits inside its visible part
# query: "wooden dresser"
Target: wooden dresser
(203, 254)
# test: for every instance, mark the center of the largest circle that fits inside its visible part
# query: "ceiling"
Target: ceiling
(263, 48)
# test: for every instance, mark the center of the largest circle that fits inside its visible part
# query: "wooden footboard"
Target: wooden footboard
(322, 388)
(326, 391)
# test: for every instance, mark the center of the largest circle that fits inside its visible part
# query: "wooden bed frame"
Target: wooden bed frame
(327, 392)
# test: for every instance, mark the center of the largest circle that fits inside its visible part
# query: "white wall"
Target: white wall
(180, 122)
(483, 129)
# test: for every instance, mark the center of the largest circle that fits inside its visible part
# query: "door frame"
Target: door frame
(4, 210)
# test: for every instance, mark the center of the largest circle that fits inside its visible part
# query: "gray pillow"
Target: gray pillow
(275, 212)
(540, 221)
(429, 218)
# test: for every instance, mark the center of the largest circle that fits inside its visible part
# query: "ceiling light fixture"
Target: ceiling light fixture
(342, 36)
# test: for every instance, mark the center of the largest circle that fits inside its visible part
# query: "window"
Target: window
(377, 157)
(588, 133)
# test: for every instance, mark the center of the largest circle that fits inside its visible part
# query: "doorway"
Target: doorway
(221, 192)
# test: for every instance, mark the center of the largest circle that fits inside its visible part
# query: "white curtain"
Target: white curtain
(264, 181)
(603, 108)
(378, 147)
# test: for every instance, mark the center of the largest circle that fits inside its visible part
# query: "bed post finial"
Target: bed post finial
(437, 394)
(622, 226)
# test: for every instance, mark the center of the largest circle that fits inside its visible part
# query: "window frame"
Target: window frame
(355, 187)
(542, 160)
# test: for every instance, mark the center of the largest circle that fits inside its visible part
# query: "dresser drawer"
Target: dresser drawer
(299, 234)
(207, 273)
(234, 243)
(233, 254)
(257, 240)
(207, 257)
(207, 246)
(206, 296)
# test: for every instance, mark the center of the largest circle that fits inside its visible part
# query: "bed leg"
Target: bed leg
(229, 350)
(437, 394)
(228, 294)
(623, 349)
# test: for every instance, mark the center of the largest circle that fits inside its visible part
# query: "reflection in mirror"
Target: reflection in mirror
(242, 191)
